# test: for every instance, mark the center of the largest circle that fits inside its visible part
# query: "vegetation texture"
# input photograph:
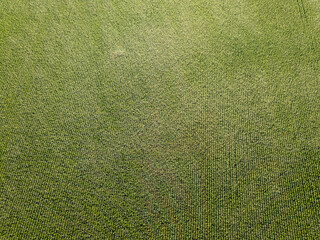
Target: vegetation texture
(149, 119)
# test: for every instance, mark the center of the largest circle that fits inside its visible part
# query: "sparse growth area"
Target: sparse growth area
(159, 119)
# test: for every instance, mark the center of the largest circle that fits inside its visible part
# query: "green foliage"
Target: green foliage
(159, 119)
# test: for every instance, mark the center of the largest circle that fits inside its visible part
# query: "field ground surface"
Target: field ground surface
(149, 119)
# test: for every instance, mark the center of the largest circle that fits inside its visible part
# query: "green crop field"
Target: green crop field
(159, 119)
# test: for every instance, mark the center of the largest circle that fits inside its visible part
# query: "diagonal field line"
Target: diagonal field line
(302, 10)
(303, 15)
